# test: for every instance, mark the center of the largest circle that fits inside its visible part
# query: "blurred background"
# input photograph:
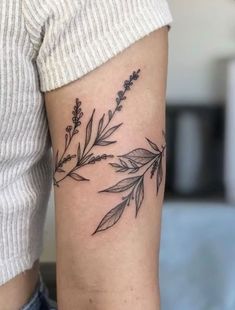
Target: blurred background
(197, 261)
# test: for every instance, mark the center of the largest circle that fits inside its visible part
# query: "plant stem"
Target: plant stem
(113, 113)
(65, 150)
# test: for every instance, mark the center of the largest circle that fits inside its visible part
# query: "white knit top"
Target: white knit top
(44, 45)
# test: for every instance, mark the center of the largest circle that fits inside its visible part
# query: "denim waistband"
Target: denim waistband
(40, 299)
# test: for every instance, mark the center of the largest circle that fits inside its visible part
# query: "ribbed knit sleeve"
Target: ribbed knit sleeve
(73, 37)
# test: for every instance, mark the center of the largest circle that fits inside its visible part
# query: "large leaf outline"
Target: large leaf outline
(100, 125)
(153, 145)
(110, 131)
(140, 156)
(159, 174)
(89, 130)
(111, 218)
(139, 195)
(77, 177)
(122, 185)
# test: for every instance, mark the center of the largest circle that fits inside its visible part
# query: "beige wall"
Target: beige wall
(201, 39)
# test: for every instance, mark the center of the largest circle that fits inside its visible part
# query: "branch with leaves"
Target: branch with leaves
(85, 154)
(138, 160)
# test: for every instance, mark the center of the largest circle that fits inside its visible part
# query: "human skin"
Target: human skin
(110, 263)
(18, 291)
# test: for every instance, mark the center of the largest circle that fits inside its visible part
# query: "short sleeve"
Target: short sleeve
(74, 37)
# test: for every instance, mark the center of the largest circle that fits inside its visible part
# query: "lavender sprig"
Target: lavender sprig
(104, 132)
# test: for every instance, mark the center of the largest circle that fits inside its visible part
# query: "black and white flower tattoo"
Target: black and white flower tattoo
(85, 155)
(138, 164)
(139, 161)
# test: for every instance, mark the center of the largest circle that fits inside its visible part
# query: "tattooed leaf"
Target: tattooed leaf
(110, 114)
(153, 145)
(119, 167)
(60, 170)
(104, 143)
(154, 167)
(139, 195)
(159, 174)
(133, 163)
(55, 182)
(124, 164)
(109, 132)
(115, 165)
(122, 169)
(88, 156)
(85, 159)
(140, 156)
(122, 185)
(78, 152)
(100, 126)
(89, 130)
(133, 170)
(111, 218)
(77, 177)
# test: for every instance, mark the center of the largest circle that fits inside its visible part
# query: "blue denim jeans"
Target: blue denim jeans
(40, 299)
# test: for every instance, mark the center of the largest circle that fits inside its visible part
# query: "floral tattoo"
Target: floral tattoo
(133, 162)
(85, 155)
(139, 162)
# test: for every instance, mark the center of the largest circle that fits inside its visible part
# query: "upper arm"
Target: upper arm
(106, 119)
(109, 170)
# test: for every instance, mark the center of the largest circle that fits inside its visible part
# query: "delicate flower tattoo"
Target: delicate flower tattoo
(85, 155)
(138, 160)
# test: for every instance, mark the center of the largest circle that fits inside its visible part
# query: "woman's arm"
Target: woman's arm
(107, 131)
